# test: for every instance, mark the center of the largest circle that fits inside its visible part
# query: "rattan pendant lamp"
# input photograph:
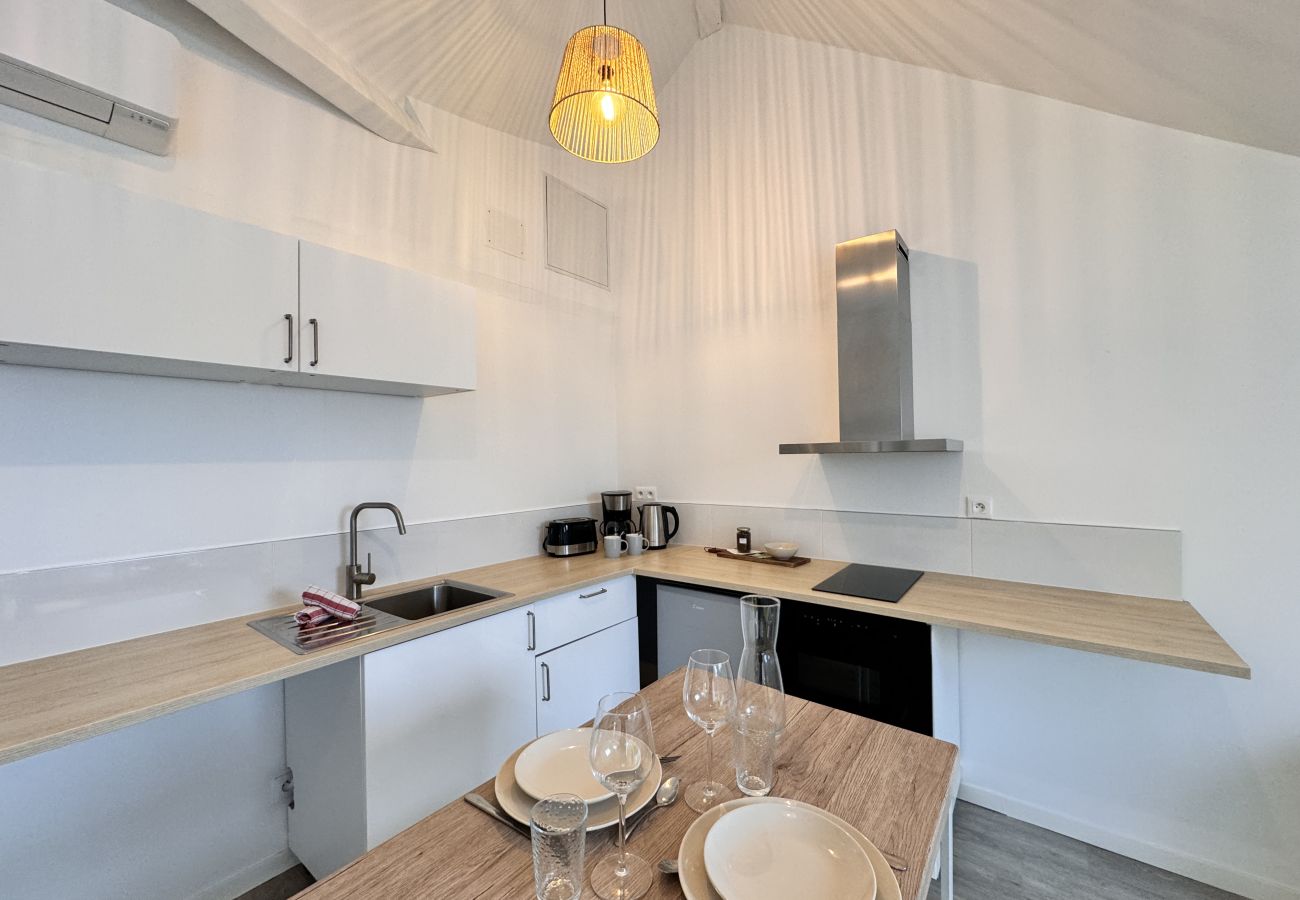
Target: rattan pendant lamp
(604, 107)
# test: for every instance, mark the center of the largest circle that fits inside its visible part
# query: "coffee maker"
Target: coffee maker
(617, 518)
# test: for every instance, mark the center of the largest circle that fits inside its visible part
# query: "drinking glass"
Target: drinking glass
(559, 826)
(622, 757)
(709, 695)
(754, 737)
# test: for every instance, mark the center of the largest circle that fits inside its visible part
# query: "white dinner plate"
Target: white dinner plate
(518, 805)
(694, 876)
(770, 851)
(559, 763)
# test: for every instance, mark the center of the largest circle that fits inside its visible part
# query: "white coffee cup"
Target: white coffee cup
(635, 543)
(615, 546)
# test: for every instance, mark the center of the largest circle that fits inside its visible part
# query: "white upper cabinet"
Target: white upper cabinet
(92, 269)
(98, 278)
(363, 319)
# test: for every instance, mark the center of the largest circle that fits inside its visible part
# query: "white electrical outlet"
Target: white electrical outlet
(979, 507)
(646, 494)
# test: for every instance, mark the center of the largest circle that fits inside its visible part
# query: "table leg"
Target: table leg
(945, 856)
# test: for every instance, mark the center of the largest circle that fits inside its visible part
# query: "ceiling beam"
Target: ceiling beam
(286, 42)
(708, 16)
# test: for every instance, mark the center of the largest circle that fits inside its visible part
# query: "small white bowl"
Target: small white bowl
(782, 549)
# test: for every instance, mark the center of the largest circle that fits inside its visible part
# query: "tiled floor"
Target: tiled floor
(997, 858)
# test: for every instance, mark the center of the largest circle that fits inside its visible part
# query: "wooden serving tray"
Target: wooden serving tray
(763, 557)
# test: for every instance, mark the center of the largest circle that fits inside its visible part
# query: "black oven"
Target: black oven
(871, 665)
(875, 666)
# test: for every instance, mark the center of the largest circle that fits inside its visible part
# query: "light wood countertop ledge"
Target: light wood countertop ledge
(54, 701)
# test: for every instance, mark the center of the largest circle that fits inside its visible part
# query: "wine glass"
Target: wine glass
(709, 695)
(622, 757)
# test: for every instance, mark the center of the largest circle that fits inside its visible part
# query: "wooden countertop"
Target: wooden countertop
(47, 703)
(892, 785)
(1170, 632)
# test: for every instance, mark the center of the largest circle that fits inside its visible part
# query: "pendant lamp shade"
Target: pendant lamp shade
(604, 108)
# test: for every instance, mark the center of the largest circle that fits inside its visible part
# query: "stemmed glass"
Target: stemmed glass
(622, 757)
(709, 695)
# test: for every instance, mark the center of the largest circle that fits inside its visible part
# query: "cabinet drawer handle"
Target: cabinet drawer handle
(315, 341)
(288, 317)
(546, 682)
(593, 594)
(532, 631)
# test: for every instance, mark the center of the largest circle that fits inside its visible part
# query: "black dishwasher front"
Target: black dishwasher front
(871, 665)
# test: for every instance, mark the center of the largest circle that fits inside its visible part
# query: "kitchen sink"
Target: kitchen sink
(442, 597)
(383, 614)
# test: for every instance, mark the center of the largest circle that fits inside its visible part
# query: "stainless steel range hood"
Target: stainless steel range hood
(874, 314)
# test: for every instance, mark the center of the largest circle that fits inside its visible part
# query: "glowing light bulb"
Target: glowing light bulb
(607, 107)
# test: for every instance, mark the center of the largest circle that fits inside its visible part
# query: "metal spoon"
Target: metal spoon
(665, 796)
(668, 866)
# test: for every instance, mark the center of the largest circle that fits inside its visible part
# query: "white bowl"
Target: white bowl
(772, 852)
(694, 876)
(782, 549)
(558, 763)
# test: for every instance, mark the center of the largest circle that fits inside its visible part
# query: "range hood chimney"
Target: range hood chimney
(874, 315)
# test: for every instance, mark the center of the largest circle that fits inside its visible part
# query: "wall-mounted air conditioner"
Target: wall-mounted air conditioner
(90, 65)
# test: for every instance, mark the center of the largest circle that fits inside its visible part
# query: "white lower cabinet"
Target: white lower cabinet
(572, 679)
(379, 742)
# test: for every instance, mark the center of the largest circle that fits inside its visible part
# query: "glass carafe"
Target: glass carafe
(760, 696)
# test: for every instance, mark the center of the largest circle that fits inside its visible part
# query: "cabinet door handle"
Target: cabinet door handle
(288, 317)
(593, 594)
(315, 341)
(546, 682)
(532, 631)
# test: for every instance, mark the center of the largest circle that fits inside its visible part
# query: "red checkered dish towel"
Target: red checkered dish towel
(311, 615)
(332, 603)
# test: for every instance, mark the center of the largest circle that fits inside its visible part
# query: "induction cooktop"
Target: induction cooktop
(870, 582)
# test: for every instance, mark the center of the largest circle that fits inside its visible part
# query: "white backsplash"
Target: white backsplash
(1143, 561)
(57, 610)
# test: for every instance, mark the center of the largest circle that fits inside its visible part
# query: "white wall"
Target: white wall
(177, 465)
(1104, 310)
(104, 467)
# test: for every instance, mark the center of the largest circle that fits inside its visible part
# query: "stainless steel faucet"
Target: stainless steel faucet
(356, 575)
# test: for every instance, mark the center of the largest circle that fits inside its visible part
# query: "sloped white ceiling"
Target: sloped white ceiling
(490, 61)
(1225, 68)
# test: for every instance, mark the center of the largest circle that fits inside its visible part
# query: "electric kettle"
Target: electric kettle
(654, 524)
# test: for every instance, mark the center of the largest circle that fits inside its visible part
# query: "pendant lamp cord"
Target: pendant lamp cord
(604, 10)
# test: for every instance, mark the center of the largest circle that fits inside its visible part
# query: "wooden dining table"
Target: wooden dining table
(895, 786)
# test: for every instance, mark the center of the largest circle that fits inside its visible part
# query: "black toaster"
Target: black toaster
(570, 537)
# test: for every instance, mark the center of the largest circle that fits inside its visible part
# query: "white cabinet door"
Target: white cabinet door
(91, 268)
(378, 322)
(442, 713)
(567, 617)
(572, 679)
